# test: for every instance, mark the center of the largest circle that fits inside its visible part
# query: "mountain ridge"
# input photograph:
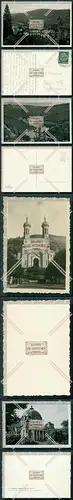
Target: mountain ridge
(39, 14)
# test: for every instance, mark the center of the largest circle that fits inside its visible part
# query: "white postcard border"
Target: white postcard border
(47, 446)
(33, 289)
(39, 46)
(60, 453)
(66, 100)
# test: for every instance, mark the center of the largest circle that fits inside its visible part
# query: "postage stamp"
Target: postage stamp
(36, 244)
(38, 424)
(50, 71)
(37, 24)
(36, 120)
(25, 476)
(36, 169)
(36, 348)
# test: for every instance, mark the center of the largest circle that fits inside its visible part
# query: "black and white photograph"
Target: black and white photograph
(36, 23)
(36, 120)
(36, 424)
(36, 243)
(28, 73)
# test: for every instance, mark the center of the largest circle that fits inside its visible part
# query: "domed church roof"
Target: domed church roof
(33, 414)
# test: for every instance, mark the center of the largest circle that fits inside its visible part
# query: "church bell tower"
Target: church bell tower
(26, 227)
(45, 229)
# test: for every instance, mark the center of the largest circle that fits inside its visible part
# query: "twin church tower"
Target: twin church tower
(36, 247)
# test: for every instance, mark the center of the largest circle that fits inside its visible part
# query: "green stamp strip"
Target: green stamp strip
(63, 58)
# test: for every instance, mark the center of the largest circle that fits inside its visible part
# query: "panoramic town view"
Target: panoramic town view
(35, 24)
(36, 120)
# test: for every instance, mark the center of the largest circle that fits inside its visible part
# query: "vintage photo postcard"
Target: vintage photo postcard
(42, 120)
(35, 475)
(36, 360)
(37, 23)
(38, 424)
(36, 248)
(36, 169)
(36, 73)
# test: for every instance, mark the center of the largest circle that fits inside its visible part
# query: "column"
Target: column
(33, 435)
(36, 436)
(39, 435)
(22, 432)
(29, 260)
(42, 435)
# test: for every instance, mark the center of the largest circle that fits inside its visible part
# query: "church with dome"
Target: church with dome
(30, 428)
(36, 247)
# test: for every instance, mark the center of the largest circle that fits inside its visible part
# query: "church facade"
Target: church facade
(36, 247)
(30, 429)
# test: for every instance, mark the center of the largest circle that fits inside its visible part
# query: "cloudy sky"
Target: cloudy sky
(36, 100)
(27, 6)
(55, 210)
(50, 412)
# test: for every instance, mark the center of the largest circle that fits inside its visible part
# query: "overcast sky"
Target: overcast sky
(36, 100)
(50, 412)
(55, 211)
(27, 6)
